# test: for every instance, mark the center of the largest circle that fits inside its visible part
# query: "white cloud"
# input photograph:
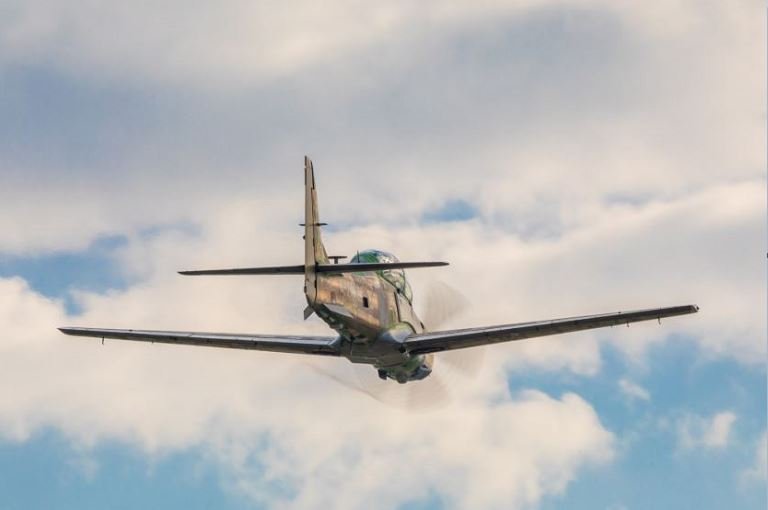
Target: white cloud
(633, 179)
(269, 421)
(241, 42)
(634, 390)
(501, 462)
(714, 432)
(498, 132)
(238, 42)
(121, 391)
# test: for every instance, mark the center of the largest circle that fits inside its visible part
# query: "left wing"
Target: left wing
(461, 338)
(275, 343)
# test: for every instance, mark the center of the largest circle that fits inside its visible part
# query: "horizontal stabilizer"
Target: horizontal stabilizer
(319, 268)
(380, 266)
(248, 270)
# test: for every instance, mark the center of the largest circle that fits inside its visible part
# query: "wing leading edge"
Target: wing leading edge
(275, 343)
(472, 337)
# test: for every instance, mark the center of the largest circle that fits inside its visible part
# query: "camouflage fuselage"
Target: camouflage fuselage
(372, 316)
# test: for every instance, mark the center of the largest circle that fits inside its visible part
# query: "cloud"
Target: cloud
(240, 42)
(72, 384)
(633, 390)
(500, 466)
(272, 423)
(514, 133)
(713, 433)
(244, 41)
(604, 163)
(658, 254)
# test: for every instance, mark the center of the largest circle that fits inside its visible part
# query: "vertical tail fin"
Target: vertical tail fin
(314, 251)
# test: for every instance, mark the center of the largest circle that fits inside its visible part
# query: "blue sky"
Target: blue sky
(565, 159)
(54, 275)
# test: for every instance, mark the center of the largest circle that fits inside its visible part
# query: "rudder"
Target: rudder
(314, 251)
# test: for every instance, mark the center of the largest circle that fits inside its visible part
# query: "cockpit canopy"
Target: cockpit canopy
(373, 257)
(396, 277)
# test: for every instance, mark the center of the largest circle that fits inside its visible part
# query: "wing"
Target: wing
(461, 338)
(275, 343)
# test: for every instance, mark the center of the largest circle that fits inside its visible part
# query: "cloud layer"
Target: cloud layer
(282, 433)
(609, 156)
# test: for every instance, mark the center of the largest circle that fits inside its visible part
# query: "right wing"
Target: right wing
(472, 337)
(275, 343)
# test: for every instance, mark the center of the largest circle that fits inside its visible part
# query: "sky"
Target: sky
(567, 157)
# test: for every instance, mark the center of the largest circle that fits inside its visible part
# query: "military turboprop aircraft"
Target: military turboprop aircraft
(368, 301)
